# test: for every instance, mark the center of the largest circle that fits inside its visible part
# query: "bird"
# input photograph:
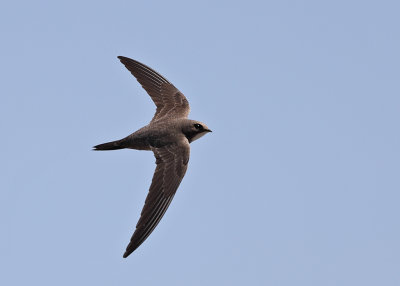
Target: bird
(168, 136)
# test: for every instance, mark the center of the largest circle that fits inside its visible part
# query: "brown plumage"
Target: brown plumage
(168, 135)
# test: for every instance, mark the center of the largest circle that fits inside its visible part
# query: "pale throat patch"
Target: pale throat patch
(198, 135)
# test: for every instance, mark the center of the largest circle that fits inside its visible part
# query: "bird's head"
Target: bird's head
(193, 130)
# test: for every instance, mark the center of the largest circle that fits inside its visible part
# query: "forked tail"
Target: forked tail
(114, 145)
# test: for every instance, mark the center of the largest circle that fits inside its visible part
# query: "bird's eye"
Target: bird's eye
(198, 126)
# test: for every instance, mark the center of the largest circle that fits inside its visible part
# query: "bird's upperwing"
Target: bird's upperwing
(170, 102)
(171, 163)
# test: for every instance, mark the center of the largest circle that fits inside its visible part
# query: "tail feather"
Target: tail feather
(114, 145)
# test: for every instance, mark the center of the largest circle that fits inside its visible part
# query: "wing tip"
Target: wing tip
(128, 61)
(129, 251)
(122, 58)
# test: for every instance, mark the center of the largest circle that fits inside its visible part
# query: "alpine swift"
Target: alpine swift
(168, 135)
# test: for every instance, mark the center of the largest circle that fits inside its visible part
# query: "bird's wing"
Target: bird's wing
(170, 102)
(172, 161)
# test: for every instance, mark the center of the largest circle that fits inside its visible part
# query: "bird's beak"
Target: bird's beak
(208, 130)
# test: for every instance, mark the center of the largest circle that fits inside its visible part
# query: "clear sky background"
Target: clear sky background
(298, 184)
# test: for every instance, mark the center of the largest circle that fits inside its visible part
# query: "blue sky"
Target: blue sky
(297, 185)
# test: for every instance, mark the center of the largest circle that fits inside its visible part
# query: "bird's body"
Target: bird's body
(168, 135)
(155, 134)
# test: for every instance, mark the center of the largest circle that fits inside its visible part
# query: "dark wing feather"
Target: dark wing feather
(171, 167)
(170, 102)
